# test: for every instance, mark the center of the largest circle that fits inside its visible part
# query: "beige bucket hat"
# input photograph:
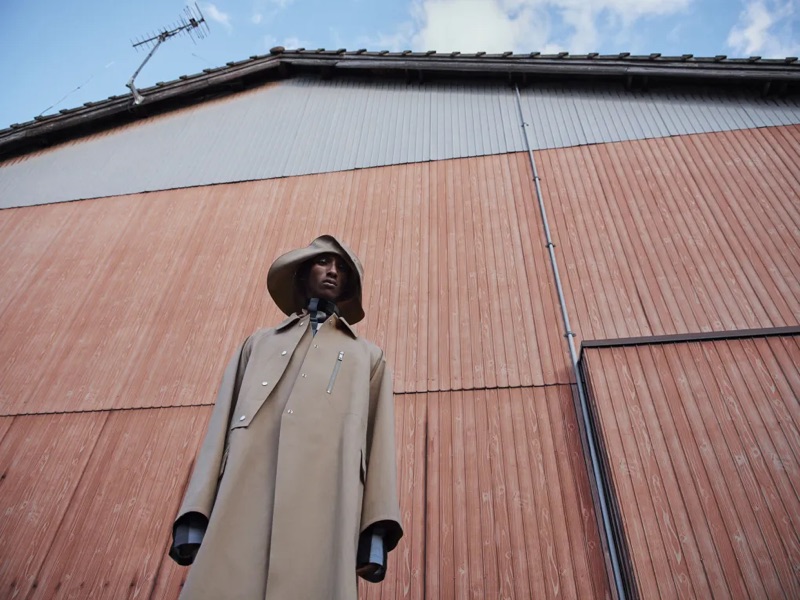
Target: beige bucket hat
(285, 289)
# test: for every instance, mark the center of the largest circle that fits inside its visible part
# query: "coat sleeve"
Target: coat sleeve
(202, 489)
(380, 502)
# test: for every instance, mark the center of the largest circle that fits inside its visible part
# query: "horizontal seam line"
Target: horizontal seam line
(132, 408)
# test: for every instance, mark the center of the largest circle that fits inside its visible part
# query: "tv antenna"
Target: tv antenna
(191, 22)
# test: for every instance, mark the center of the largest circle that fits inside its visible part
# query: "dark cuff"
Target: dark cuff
(187, 535)
(371, 556)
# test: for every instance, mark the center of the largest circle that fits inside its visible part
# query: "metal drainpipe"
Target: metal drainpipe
(601, 490)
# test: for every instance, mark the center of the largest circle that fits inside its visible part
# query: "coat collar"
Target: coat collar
(295, 317)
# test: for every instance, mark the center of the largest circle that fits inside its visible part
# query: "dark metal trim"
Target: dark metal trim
(705, 336)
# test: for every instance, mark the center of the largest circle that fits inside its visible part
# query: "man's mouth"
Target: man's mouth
(329, 283)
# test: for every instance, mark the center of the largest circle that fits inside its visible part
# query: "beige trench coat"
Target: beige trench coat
(298, 459)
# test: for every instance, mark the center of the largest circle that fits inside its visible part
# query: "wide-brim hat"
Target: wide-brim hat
(285, 289)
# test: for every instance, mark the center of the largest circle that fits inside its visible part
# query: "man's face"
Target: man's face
(328, 277)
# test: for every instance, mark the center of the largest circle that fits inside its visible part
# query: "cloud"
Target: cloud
(218, 16)
(471, 25)
(291, 42)
(519, 25)
(766, 28)
(398, 40)
(265, 11)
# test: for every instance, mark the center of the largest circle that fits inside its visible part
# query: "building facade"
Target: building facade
(659, 459)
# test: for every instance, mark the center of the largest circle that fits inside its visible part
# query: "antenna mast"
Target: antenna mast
(189, 22)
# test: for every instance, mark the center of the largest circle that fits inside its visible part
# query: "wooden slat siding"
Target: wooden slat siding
(754, 227)
(490, 529)
(486, 523)
(97, 500)
(439, 353)
(684, 563)
(689, 459)
(432, 498)
(721, 434)
(478, 567)
(787, 357)
(41, 316)
(47, 460)
(5, 424)
(470, 348)
(416, 476)
(632, 491)
(604, 431)
(547, 345)
(764, 251)
(770, 208)
(758, 431)
(563, 575)
(22, 241)
(426, 267)
(673, 235)
(396, 261)
(517, 556)
(116, 528)
(783, 146)
(461, 497)
(719, 422)
(42, 459)
(508, 250)
(138, 301)
(495, 460)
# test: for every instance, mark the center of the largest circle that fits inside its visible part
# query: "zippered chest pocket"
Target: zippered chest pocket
(336, 367)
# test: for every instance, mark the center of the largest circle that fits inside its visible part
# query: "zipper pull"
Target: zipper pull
(341, 356)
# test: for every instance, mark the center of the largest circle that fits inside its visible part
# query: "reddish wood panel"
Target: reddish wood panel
(495, 497)
(42, 459)
(677, 235)
(702, 449)
(138, 301)
(88, 500)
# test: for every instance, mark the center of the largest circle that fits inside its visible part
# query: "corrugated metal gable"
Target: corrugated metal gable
(306, 125)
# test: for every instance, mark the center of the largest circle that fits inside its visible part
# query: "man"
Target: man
(296, 475)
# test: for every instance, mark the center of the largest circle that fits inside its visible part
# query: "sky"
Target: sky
(58, 55)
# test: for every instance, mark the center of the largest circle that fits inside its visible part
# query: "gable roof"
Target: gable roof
(779, 76)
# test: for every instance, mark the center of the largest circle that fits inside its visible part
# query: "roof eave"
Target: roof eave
(280, 63)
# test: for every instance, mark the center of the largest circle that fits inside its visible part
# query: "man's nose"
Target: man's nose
(333, 269)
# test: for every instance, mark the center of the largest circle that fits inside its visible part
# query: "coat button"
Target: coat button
(283, 353)
(302, 375)
(290, 411)
(242, 418)
(265, 383)
(316, 346)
